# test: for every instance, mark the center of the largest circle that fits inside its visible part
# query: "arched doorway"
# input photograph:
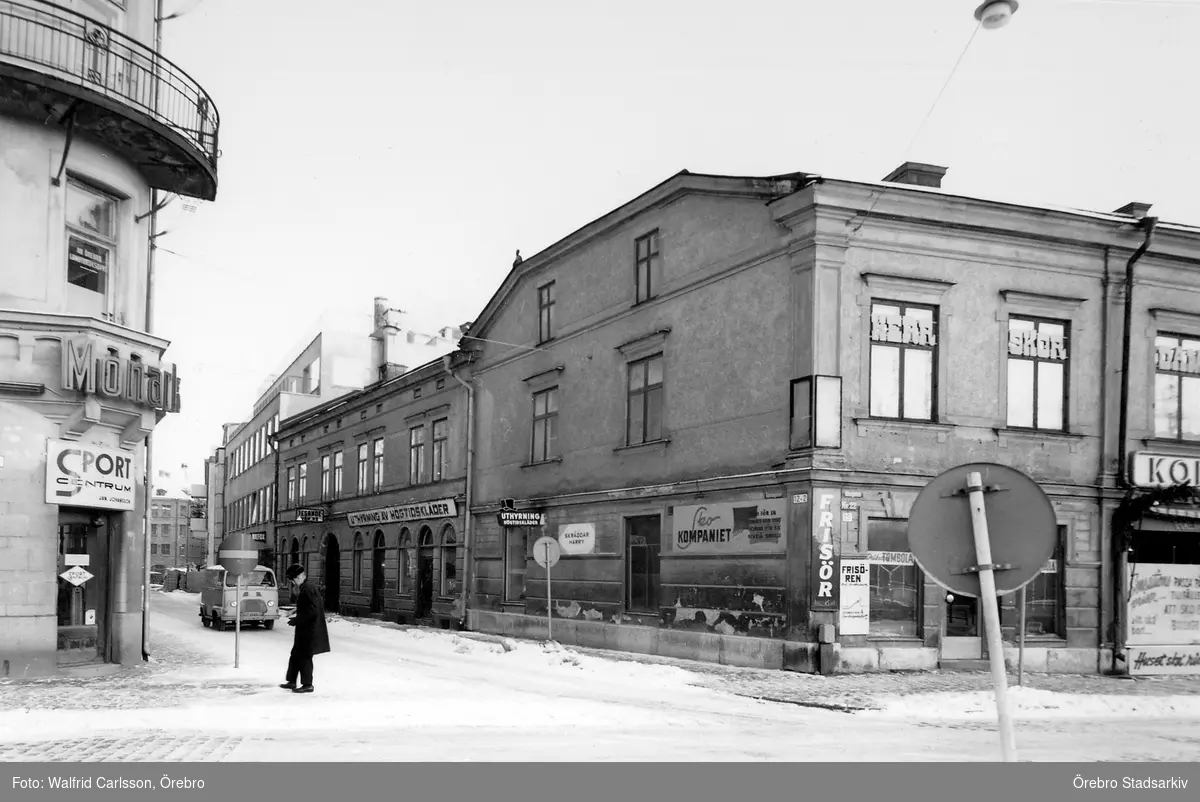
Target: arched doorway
(425, 555)
(295, 551)
(333, 574)
(378, 562)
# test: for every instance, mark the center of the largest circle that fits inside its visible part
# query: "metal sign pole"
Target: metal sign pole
(991, 614)
(237, 626)
(1021, 642)
(549, 608)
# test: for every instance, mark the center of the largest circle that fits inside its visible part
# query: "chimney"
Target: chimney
(381, 308)
(1135, 209)
(917, 174)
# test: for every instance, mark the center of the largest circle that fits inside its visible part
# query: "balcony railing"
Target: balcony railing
(76, 49)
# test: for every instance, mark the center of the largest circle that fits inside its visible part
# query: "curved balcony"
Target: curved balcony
(59, 65)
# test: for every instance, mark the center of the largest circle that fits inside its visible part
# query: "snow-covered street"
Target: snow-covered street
(404, 694)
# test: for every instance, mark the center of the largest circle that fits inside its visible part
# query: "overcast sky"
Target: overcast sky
(405, 148)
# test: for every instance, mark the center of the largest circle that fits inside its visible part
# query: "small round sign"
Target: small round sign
(238, 554)
(1022, 529)
(546, 551)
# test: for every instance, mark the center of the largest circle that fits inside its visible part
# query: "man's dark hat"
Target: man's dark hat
(294, 571)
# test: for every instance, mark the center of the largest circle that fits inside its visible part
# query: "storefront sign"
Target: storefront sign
(77, 559)
(854, 601)
(311, 515)
(1164, 660)
(111, 376)
(903, 329)
(514, 518)
(258, 537)
(1039, 344)
(825, 550)
(751, 527)
(889, 557)
(577, 538)
(442, 508)
(1179, 360)
(1162, 470)
(84, 475)
(1164, 604)
(76, 576)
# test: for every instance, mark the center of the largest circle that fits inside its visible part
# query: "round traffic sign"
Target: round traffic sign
(546, 551)
(238, 554)
(1022, 528)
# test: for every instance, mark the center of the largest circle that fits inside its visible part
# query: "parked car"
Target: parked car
(219, 598)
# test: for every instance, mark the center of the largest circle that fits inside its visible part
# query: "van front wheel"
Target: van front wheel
(218, 623)
(268, 624)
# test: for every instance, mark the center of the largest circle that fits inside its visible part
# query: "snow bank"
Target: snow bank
(1031, 703)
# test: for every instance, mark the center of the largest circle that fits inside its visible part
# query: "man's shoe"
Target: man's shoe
(291, 686)
(303, 689)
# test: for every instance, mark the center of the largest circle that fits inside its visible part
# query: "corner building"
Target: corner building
(727, 394)
(95, 126)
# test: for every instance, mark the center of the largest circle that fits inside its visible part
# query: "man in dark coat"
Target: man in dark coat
(312, 636)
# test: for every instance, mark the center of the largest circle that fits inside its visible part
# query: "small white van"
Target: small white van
(219, 598)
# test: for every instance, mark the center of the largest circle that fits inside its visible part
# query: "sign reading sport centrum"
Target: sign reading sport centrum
(85, 475)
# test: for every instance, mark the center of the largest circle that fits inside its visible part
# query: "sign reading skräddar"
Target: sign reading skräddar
(746, 527)
(441, 508)
(86, 475)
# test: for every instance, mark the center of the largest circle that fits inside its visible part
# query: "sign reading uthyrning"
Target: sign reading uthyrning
(85, 475)
(441, 508)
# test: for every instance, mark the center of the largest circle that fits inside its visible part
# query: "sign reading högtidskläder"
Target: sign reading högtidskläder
(85, 475)
(441, 508)
(738, 527)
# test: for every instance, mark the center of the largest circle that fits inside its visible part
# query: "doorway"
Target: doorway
(962, 639)
(83, 597)
(424, 573)
(378, 565)
(332, 574)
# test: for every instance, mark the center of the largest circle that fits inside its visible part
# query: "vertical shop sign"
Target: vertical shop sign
(825, 551)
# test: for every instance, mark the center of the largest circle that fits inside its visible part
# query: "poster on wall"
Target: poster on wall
(577, 538)
(825, 548)
(1163, 612)
(749, 527)
(85, 475)
(854, 600)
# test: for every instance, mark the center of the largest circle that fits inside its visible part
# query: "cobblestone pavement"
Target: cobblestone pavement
(148, 747)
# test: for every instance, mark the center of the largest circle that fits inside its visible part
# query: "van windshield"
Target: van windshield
(254, 579)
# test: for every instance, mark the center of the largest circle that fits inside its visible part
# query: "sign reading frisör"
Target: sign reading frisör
(826, 539)
(577, 538)
(441, 508)
(740, 527)
(85, 475)
(1147, 469)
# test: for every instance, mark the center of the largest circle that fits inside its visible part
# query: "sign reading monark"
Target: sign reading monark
(129, 379)
(1163, 470)
(84, 475)
(441, 508)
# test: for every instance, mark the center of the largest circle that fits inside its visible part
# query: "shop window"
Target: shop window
(642, 544)
(441, 455)
(1045, 596)
(545, 425)
(1038, 351)
(337, 474)
(545, 298)
(416, 454)
(516, 549)
(904, 343)
(646, 261)
(363, 459)
(91, 218)
(895, 580)
(1177, 387)
(449, 562)
(302, 475)
(356, 573)
(326, 475)
(645, 405)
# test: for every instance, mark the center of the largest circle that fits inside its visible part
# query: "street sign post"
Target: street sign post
(547, 551)
(983, 529)
(238, 556)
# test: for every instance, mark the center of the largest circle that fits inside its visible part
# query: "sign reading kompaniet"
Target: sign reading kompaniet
(1163, 470)
(84, 475)
(441, 508)
(748, 527)
(84, 371)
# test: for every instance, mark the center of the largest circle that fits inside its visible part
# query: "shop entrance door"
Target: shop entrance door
(83, 632)
(962, 639)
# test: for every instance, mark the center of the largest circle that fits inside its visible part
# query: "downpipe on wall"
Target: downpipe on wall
(469, 529)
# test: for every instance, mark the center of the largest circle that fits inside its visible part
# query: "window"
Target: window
(362, 469)
(449, 562)
(165, 548)
(642, 543)
(416, 454)
(1045, 596)
(895, 580)
(441, 465)
(1037, 373)
(516, 539)
(903, 356)
(356, 574)
(645, 400)
(1177, 387)
(154, 548)
(545, 298)
(291, 485)
(91, 243)
(337, 473)
(403, 564)
(545, 425)
(326, 476)
(303, 481)
(377, 463)
(440, 384)
(416, 393)
(646, 265)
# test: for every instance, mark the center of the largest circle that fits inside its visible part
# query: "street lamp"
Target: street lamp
(994, 14)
